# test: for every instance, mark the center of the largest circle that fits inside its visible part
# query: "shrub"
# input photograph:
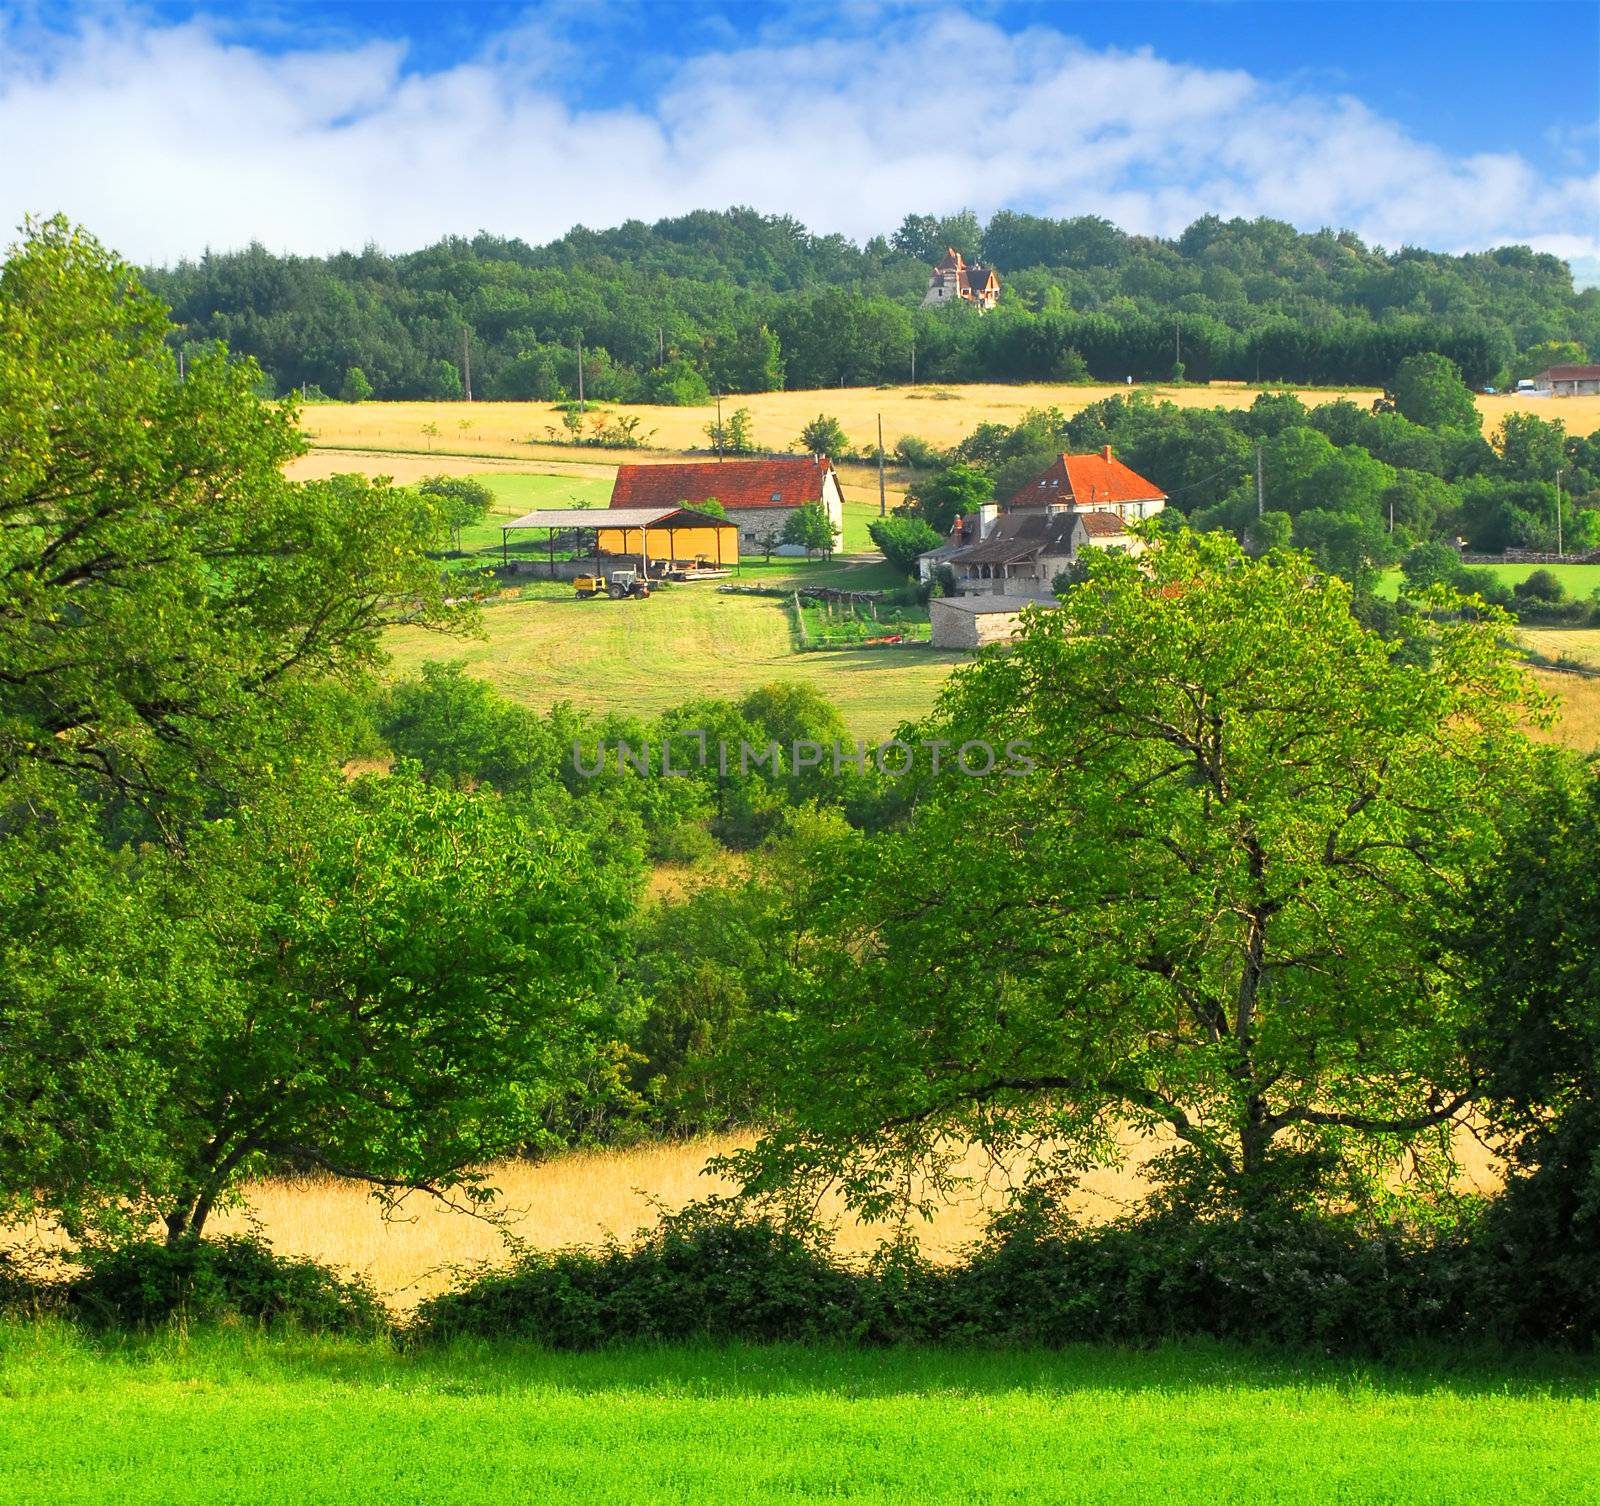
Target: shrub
(700, 1275)
(918, 453)
(1299, 1279)
(1541, 586)
(143, 1285)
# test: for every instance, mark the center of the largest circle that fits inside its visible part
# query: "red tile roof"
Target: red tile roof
(1084, 480)
(1572, 373)
(734, 483)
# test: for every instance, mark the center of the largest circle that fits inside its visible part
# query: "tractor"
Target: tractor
(620, 585)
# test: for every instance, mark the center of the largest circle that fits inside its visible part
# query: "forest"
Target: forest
(736, 301)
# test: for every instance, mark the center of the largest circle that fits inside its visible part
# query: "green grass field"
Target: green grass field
(248, 1421)
(686, 641)
(1579, 580)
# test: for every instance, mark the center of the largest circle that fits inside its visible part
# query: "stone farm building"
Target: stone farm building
(759, 496)
(1019, 549)
(1569, 381)
(954, 280)
(976, 621)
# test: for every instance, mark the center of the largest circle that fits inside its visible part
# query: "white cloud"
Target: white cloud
(164, 139)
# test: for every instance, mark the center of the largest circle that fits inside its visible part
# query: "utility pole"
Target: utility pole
(719, 426)
(883, 505)
(180, 378)
(1261, 505)
(661, 346)
(466, 364)
(913, 363)
(1559, 549)
(1177, 343)
(581, 407)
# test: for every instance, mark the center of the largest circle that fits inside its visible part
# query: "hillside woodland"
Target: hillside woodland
(736, 301)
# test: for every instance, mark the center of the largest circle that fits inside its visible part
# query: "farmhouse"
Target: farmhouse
(1568, 381)
(1092, 483)
(975, 621)
(758, 496)
(1020, 550)
(954, 280)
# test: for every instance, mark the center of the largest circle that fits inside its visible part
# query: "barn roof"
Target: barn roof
(1084, 480)
(736, 484)
(985, 606)
(613, 517)
(1570, 374)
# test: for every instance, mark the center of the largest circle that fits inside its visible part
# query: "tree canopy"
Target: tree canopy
(1204, 904)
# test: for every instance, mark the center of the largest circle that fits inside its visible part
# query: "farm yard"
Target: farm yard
(543, 645)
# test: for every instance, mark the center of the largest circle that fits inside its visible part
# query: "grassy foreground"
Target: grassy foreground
(239, 1418)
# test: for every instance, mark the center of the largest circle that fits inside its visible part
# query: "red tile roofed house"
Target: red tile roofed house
(1569, 381)
(1092, 483)
(759, 496)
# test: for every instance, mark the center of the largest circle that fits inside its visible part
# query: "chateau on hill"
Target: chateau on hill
(954, 280)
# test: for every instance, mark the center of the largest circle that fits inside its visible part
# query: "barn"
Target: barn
(977, 621)
(758, 496)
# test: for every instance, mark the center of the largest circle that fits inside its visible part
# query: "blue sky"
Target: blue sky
(168, 127)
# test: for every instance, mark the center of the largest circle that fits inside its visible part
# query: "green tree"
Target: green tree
(677, 384)
(166, 595)
(824, 436)
(403, 978)
(1428, 565)
(957, 491)
(446, 384)
(734, 437)
(901, 540)
(1211, 905)
(811, 529)
(1531, 449)
(1429, 391)
(461, 502)
(1271, 530)
(1348, 544)
(1530, 934)
(355, 388)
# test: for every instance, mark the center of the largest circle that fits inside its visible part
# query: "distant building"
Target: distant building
(759, 496)
(955, 281)
(1021, 549)
(1569, 381)
(976, 621)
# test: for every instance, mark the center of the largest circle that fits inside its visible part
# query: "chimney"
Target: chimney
(955, 532)
(1107, 452)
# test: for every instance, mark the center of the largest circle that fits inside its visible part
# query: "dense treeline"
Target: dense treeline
(1201, 856)
(741, 302)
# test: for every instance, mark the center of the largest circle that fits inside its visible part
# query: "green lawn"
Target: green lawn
(685, 641)
(1579, 580)
(239, 1419)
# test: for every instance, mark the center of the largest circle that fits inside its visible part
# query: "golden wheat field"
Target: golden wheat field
(583, 1197)
(940, 415)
